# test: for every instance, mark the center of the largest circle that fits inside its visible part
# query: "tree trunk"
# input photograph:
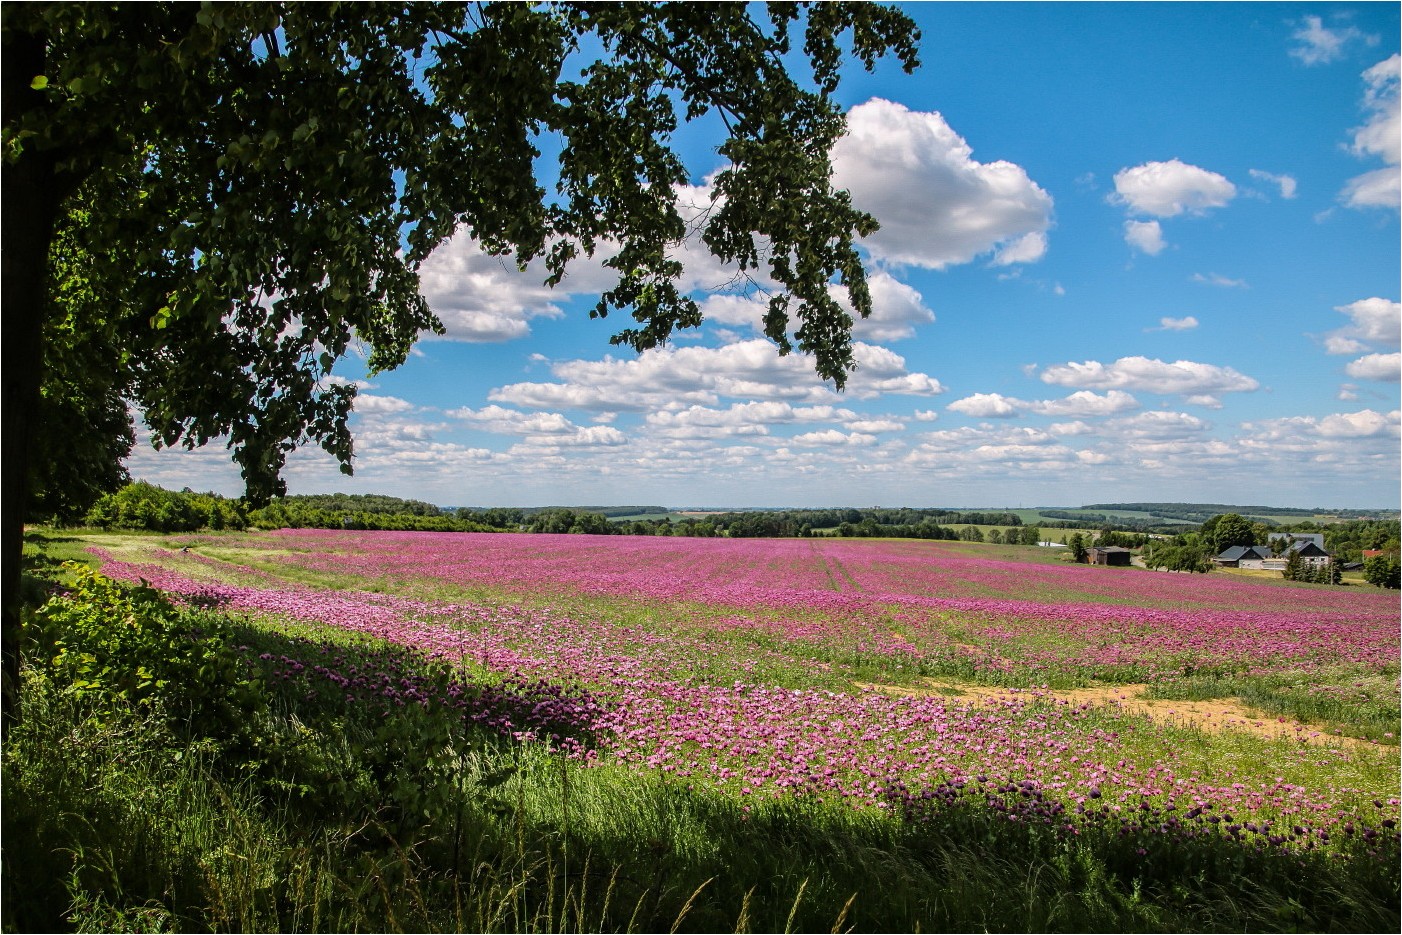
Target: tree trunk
(32, 193)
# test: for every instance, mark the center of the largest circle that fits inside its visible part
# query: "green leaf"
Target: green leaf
(39, 83)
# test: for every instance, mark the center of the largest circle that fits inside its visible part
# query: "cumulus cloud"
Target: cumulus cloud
(937, 205)
(1158, 424)
(745, 419)
(1317, 44)
(872, 426)
(1145, 236)
(1380, 136)
(669, 377)
(594, 436)
(1028, 248)
(1183, 377)
(1077, 405)
(482, 298)
(1372, 321)
(1384, 367)
(1168, 189)
(1285, 183)
(832, 437)
(1186, 323)
(1365, 423)
(366, 404)
(514, 422)
(986, 406)
(896, 309)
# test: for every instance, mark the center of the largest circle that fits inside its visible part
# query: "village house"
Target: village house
(1309, 545)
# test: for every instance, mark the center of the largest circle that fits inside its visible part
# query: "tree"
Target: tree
(1077, 544)
(1225, 530)
(270, 176)
(1188, 552)
(1383, 571)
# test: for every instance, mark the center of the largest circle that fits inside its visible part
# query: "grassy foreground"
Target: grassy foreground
(176, 769)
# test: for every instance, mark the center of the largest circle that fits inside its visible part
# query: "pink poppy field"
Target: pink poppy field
(876, 675)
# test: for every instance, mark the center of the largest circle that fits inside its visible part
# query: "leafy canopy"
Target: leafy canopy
(259, 182)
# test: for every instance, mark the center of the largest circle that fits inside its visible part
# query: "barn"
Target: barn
(1109, 555)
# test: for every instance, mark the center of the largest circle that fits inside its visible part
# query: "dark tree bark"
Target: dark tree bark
(33, 189)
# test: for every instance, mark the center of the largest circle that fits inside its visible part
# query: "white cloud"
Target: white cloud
(1168, 189)
(896, 309)
(881, 371)
(937, 205)
(1380, 136)
(830, 437)
(752, 413)
(1145, 236)
(1372, 321)
(1376, 319)
(872, 426)
(514, 422)
(1385, 367)
(1380, 188)
(1186, 323)
(1184, 377)
(1158, 424)
(1079, 404)
(1319, 45)
(986, 406)
(1028, 248)
(1285, 183)
(594, 436)
(366, 404)
(1216, 279)
(1085, 403)
(670, 377)
(1362, 424)
(482, 298)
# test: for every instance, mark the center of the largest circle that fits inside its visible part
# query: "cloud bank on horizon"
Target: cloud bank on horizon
(1118, 260)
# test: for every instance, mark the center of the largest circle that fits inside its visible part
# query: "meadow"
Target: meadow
(501, 732)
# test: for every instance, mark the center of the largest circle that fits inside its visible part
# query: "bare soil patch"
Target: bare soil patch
(1215, 716)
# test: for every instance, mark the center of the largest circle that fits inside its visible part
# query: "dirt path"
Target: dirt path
(1215, 716)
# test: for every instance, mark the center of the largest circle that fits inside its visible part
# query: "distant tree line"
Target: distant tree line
(1201, 512)
(1080, 519)
(787, 523)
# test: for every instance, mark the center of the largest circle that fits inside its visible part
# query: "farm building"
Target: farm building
(1243, 556)
(1109, 555)
(1262, 558)
(1317, 538)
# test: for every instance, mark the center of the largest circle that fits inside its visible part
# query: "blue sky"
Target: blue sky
(1129, 252)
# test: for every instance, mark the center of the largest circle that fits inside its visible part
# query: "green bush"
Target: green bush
(1383, 571)
(104, 642)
